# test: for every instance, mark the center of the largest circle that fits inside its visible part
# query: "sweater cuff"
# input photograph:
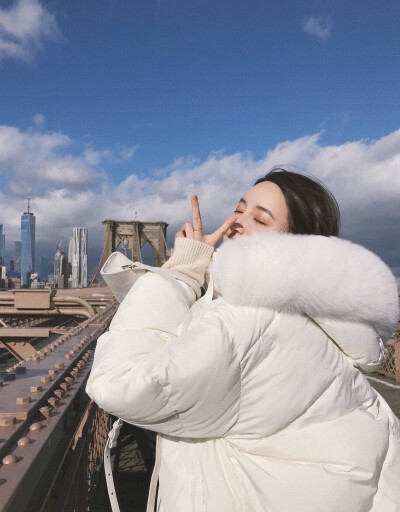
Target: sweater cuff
(191, 258)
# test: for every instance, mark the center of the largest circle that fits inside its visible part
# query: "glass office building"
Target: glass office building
(27, 247)
(17, 255)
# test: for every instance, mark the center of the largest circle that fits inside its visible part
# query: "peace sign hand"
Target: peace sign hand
(195, 231)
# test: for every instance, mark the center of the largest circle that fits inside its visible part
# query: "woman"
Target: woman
(257, 395)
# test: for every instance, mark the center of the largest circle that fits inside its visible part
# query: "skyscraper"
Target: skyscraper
(78, 257)
(2, 245)
(28, 221)
(17, 256)
(61, 273)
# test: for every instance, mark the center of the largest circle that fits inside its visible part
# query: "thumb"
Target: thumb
(215, 237)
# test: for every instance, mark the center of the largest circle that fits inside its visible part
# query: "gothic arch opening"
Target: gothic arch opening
(148, 253)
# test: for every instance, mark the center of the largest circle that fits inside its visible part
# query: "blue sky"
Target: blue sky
(125, 103)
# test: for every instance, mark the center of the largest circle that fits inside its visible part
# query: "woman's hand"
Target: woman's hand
(195, 230)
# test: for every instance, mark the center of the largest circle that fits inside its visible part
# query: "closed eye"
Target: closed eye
(259, 222)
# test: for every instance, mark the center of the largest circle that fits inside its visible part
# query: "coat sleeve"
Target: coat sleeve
(144, 373)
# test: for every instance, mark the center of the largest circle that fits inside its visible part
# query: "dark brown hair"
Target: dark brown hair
(312, 208)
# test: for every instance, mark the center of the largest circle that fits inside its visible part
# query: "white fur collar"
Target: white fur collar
(316, 275)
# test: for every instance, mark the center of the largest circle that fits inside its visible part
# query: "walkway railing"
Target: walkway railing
(391, 364)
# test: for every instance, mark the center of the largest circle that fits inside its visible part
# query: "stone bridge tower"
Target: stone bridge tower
(137, 234)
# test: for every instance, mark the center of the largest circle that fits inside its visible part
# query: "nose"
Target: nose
(236, 228)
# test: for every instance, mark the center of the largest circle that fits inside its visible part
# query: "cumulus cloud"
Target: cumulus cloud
(363, 175)
(43, 161)
(39, 161)
(318, 27)
(24, 27)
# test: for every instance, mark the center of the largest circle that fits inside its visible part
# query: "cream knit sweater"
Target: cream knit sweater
(191, 258)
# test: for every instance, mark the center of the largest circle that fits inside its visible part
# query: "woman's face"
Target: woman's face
(262, 208)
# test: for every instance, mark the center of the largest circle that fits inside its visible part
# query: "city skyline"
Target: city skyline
(58, 268)
(53, 263)
(201, 97)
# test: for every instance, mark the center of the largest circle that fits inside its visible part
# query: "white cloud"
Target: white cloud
(38, 161)
(118, 155)
(363, 175)
(39, 119)
(24, 27)
(43, 161)
(319, 27)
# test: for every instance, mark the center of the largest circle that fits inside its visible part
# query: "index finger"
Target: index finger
(197, 224)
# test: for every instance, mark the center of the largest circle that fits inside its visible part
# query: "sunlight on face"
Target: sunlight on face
(262, 208)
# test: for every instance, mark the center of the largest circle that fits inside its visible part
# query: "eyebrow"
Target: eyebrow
(241, 200)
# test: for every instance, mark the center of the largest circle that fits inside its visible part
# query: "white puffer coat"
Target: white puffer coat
(256, 395)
